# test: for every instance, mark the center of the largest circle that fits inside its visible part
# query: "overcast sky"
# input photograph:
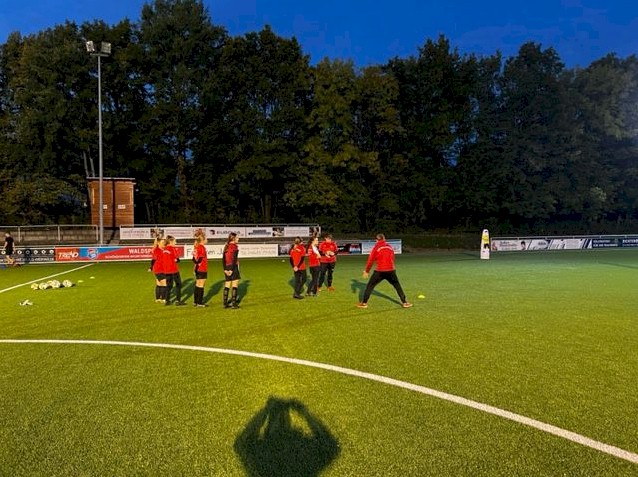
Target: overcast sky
(372, 31)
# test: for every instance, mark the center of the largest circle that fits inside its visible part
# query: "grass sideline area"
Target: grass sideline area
(551, 336)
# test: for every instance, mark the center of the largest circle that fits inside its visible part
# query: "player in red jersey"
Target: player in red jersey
(328, 250)
(315, 265)
(298, 263)
(200, 259)
(170, 259)
(230, 263)
(158, 270)
(383, 254)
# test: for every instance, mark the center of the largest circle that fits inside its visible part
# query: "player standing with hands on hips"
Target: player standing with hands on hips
(383, 254)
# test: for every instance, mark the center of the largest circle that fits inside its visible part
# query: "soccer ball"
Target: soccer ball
(35, 286)
(67, 283)
(54, 284)
(43, 286)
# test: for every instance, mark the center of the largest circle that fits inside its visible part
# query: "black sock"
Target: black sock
(157, 292)
(234, 295)
(225, 296)
(199, 295)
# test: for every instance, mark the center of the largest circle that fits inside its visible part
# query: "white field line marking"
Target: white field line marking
(557, 431)
(45, 278)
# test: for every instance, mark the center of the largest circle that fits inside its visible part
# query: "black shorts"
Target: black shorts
(201, 275)
(233, 276)
(160, 276)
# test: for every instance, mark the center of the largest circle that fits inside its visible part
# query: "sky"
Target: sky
(373, 31)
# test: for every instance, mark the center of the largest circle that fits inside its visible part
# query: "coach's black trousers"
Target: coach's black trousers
(378, 277)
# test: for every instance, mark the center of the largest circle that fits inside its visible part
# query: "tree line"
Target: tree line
(243, 129)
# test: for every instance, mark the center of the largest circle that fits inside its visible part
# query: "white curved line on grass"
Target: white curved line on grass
(557, 431)
(45, 278)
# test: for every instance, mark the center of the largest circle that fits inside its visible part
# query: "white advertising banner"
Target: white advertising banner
(137, 233)
(222, 232)
(567, 244)
(265, 232)
(523, 244)
(298, 231)
(246, 250)
(218, 231)
(366, 246)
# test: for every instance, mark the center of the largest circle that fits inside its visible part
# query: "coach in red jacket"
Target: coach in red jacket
(383, 254)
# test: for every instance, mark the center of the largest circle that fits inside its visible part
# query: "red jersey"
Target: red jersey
(169, 260)
(297, 255)
(313, 256)
(156, 260)
(229, 259)
(325, 247)
(383, 254)
(200, 257)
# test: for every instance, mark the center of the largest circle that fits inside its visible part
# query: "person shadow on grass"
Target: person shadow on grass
(285, 439)
(358, 287)
(242, 290)
(213, 290)
(217, 287)
(188, 287)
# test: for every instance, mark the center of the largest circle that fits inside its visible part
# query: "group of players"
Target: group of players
(321, 261)
(321, 257)
(164, 265)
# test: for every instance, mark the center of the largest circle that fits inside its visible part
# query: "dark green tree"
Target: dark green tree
(180, 49)
(435, 107)
(607, 93)
(43, 84)
(264, 99)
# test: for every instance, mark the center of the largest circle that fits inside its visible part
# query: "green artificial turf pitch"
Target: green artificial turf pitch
(550, 336)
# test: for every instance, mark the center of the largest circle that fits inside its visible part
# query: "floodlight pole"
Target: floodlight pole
(100, 156)
(105, 50)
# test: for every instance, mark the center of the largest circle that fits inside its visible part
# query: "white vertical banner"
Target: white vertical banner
(485, 245)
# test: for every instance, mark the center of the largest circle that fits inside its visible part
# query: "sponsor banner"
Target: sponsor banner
(508, 245)
(629, 242)
(221, 232)
(212, 251)
(137, 233)
(567, 244)
(350, 248)
(535, 244)
(34, 254)
(178, 232)
(83, 254)
(284, 249)
(256, 232)
(605, 243)
(366, 246)
(522, 244)
(246, 250)
(303, 232)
